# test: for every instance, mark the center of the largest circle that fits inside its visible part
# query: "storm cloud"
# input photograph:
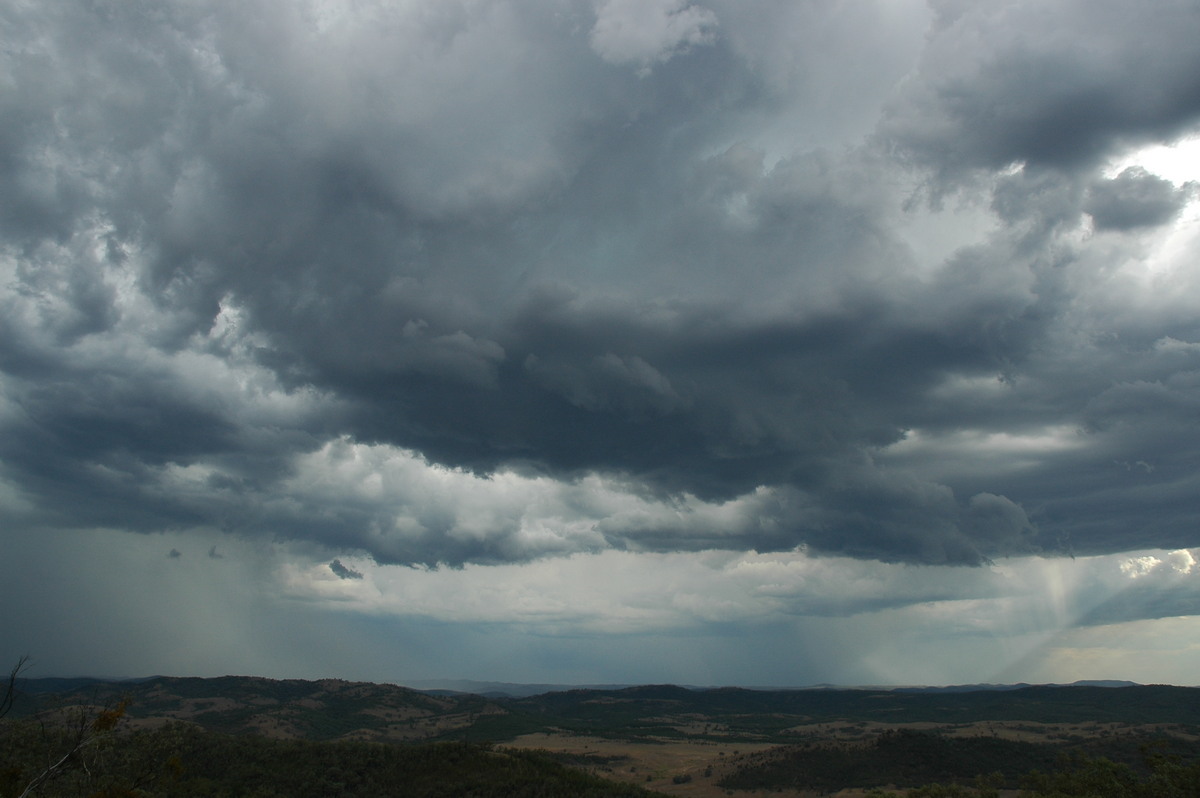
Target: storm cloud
(452, 283)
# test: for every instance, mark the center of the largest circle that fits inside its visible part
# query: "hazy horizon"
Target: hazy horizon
(602, 341)
(467, 685)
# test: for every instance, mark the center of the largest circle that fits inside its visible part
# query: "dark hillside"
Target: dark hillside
(334, 709)
(289, 709)
(759, 714)
(911, 759)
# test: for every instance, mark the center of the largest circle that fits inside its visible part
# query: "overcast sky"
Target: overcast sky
(714, 342)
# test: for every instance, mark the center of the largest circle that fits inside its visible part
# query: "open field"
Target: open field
(648, 764)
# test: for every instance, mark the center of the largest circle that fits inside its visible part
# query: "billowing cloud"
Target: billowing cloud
(1134, 198)
(498, 285)
(1049, 85)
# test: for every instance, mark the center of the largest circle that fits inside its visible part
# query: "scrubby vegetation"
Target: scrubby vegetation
(938, 766)
(904, 758)
(182, 760)
(85, 750)
(1082, 777)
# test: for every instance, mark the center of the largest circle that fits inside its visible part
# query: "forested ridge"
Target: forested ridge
(332, 709)
(244, 736)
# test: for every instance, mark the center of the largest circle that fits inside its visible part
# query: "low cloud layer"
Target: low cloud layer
(616, 616)
(460, 284)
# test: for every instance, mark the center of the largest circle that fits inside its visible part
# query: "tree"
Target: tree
(47, 746)
(10, 689)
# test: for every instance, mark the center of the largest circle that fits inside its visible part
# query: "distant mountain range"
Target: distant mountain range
(972, 688)
(520, 690)
(523, 690)
(500, 689)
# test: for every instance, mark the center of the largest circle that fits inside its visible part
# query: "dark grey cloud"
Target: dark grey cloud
(343, 571)
(1051, 85)
(1135, 198)
(242, 241)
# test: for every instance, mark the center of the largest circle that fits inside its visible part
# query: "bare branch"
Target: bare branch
(10, 690)
(85, 731)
